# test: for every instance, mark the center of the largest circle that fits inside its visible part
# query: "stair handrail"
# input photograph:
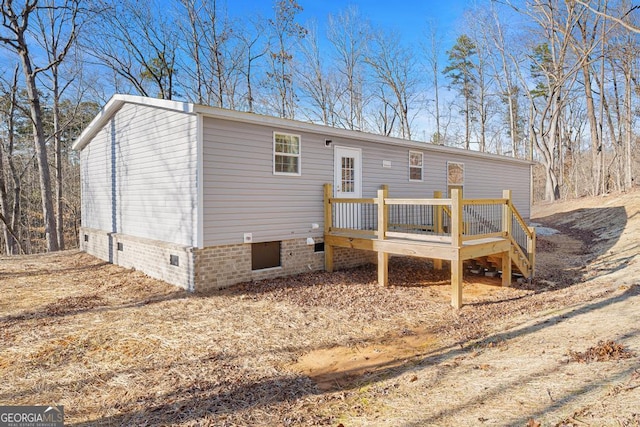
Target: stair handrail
(530, 235)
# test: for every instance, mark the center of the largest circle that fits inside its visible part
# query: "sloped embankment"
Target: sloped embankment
(608, 226)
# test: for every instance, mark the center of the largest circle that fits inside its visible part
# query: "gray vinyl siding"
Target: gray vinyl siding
(95, 178)
(484, 177)
(155, 175)
(242, 195)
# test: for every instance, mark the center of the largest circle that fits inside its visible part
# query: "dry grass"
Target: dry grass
(118, 348)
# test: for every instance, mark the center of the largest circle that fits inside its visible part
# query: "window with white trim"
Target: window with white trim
(455, 177)
(415, 165)
(455, 173)
(286, 154)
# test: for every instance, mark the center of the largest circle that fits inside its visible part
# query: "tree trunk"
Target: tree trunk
(628, 178)
(41, 151)
(17, 189)
(467, 122)
(57, 144)
(4, 208)
(596, 147)
(15, 216)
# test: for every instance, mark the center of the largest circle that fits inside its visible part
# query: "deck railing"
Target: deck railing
(452, 220)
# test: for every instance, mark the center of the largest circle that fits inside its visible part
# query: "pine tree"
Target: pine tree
(462, 73)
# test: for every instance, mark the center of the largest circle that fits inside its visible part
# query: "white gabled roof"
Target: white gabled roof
(117, 101)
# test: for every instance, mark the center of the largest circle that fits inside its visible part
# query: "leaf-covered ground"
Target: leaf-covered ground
(118, 348)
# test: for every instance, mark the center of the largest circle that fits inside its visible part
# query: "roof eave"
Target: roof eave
(117, 101)
(252, 118)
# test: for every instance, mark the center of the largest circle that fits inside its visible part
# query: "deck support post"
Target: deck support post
(383, 268)
(456, 242)
(437, 226)
(328, 258)
(506, 268)
(383, 214)
(456, 283)
(328, 224)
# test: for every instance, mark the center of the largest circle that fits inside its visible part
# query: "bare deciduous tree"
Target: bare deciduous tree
(286, 33)
(15, 26)
(508, 86)
(254, 48)
(349, 34)
(432, 51)
(138, 45)
(10, 209)
(53, 36)
(317, 85)
(394, 66)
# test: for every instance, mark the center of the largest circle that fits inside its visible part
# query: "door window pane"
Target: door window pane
(348, 174)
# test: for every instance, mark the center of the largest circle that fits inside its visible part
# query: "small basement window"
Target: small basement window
(86, 237)
(318, 247)
(120, 246)
(174, 260)
(265, 255)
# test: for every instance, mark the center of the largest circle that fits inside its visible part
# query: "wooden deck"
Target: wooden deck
(453, 230)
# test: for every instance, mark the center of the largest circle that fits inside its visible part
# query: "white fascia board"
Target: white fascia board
(115, 103)
(288, 124)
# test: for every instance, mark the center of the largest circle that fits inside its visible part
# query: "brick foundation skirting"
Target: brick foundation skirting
(214, 267)
(219, 267)
(155, 258)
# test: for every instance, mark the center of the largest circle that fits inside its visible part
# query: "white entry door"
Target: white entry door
(347, 183)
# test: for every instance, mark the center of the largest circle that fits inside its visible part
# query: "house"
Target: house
(204, 198)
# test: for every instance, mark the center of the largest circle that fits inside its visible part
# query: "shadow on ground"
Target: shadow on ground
(196, 404)
(597, 230)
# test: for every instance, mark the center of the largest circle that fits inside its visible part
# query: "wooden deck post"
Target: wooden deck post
(506, 212)
(506, 228)
(383, 220)
(437, 226)
(506, 268)
(456, 242)
(531, 248)
(456, 283)
(328, 224)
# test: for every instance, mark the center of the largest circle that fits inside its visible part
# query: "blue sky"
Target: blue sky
(407, 17)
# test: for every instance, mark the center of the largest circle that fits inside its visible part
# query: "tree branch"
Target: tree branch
(620, 21)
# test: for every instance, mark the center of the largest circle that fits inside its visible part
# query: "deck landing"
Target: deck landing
(455, 234)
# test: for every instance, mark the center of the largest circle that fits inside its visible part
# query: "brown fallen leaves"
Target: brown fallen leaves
(603, 352)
